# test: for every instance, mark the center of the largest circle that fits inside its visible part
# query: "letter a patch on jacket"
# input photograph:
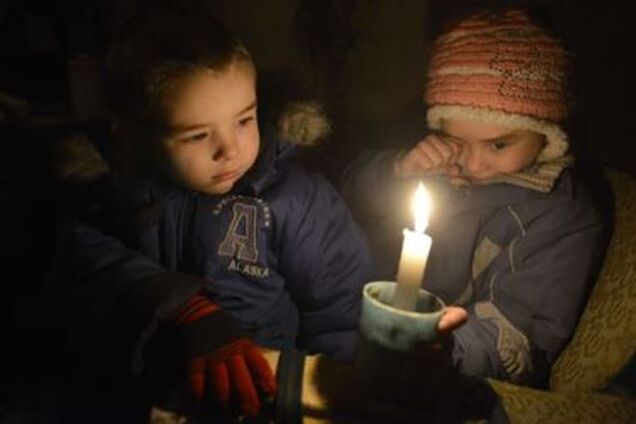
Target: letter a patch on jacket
(240, 243)
(240, 238)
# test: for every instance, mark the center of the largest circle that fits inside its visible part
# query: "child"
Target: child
(281, 260)
(517, 238)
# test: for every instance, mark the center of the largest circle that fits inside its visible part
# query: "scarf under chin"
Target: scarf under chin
(540, 176)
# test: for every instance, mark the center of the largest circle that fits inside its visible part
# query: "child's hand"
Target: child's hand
(431, 156)
(453, 317)
(235, 372)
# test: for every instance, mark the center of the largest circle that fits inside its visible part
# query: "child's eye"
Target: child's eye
(197, 136)
(243, 122)
(499, 144)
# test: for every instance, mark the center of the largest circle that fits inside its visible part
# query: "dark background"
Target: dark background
(364, 59)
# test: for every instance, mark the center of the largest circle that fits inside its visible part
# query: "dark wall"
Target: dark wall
(364, 59)
(603, 37)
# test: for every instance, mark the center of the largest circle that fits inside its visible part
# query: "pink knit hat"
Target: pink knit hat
(504, 70)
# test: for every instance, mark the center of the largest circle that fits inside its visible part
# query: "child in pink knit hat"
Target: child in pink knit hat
(496, 101)
(517, 237)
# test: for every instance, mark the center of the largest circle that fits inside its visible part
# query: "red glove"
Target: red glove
(237, 368)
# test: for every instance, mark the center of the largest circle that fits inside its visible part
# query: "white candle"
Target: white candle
(414, 255)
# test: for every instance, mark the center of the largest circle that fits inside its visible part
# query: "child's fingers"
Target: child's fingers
(453, 170)
(442, 151)
(243, 386)
(421, 159)
(197, 377)
(456, 149)
(429, 156)
(261, 370)
(220, 380)
(434, 150)
(413, 163)
(453, 317)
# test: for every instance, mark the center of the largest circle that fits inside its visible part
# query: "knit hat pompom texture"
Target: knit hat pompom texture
(502, 70)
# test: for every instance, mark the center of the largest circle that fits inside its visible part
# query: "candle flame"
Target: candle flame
(421, 208)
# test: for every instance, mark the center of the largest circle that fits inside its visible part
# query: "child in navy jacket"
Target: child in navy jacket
(211, 237)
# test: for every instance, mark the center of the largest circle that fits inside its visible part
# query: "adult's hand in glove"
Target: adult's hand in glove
(236, 368)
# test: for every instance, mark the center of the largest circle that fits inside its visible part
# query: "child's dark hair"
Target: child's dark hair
(156, 49)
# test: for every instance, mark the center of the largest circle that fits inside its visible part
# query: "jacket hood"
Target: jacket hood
(300, 124)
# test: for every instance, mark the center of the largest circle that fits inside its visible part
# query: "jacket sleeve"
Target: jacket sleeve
(534, 305)
(109, 297)
(325, 261)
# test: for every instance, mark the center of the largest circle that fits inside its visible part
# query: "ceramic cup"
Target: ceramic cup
(394, 347)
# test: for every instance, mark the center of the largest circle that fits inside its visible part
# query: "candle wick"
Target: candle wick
(421, 228)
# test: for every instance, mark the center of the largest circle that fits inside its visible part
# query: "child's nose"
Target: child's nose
(472, 160)
(226, 149)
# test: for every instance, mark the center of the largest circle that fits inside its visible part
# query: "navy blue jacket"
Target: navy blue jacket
(280, 252)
